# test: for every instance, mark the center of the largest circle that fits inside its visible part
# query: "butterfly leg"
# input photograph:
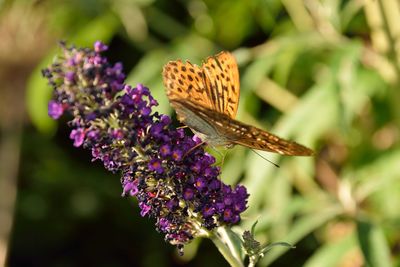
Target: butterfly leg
(222, 156)
(193, 148)
(182, 127)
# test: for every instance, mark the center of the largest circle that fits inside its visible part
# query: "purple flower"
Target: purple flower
(188, 194)
(144, 209)
(55, 109)
(171, 176)
(215, 184)
(163, 224)
(100, 47)
(208, 211)
(165, 150)
(69, 77)
(117, 134)
(228, 215)
(155, 165)
(78, 135)
(93, 135)
(130, 188)
(177, 155)
(210, 172)
(145, 111)
(196, 167)
(172, 204)
(200, 183)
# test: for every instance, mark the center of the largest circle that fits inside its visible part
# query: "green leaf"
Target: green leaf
(385, 167)
(253, 227)
(305, 225)
(331, 254)
(373, 244)
(236, 241)
(229, 244)
(102, 28)
(268, 247)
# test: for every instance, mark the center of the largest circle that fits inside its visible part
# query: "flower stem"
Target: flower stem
(225, 245)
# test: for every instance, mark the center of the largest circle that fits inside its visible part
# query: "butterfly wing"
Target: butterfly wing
(215, 85)
(222, 83)
(259, 139)
(185, 81)
(230, 131)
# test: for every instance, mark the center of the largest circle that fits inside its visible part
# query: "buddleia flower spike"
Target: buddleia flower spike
(116, 122)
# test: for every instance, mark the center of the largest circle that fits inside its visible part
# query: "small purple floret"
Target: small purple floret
(100, 47)
(156, 165)
(55, 109)
(78, 135)
(144, 209)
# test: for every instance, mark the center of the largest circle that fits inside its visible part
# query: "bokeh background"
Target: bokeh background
(322, 72)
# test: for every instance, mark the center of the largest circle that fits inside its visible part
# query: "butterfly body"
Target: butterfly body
(196, 120)
(206, 100)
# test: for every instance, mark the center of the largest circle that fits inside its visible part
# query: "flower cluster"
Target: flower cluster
(173, 178)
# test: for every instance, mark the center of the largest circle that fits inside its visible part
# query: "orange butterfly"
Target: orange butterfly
(206, 99)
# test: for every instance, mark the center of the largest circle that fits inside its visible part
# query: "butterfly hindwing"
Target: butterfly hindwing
(262, 140)
(230, 131)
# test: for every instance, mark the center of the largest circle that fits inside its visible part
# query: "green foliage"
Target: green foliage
(254, 249)
(323, 73)
(373, 244)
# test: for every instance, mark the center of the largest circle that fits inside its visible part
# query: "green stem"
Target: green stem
(225, 247)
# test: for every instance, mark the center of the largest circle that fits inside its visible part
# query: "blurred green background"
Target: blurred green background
(322, 72)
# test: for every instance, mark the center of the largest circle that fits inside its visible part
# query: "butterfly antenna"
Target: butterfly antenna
(273, 163)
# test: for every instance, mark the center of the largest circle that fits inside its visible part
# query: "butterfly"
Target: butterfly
(206, 98)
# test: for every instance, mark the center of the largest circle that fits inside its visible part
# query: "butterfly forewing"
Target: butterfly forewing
(222, 83)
